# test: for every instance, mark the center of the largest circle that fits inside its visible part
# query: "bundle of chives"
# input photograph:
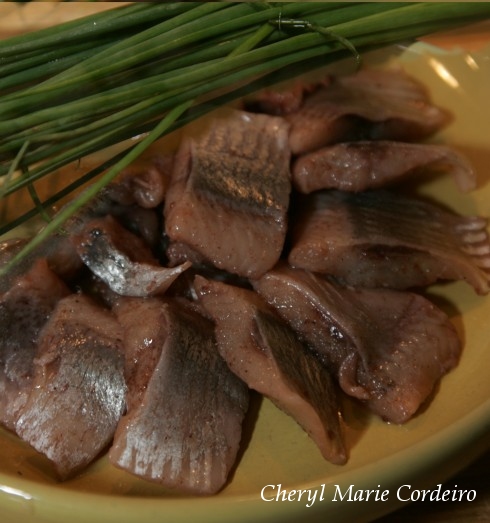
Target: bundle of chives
(77, 88)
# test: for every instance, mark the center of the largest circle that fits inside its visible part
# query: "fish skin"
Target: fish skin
(123, 260)
(362, 165)
(387, 348)
(186, 408)
(78, 392)
(380, 238)
(229, 193)
(24, 310)
(268, 356)
(371, 104)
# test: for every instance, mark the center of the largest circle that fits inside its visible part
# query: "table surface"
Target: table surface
(476, 477)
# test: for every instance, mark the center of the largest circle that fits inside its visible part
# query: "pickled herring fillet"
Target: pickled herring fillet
(78, 392)
(185, 407)
(24, 309)
(123, 260)
(130, 198)
(229, 192)
(371, 104)
(268, 356)
(387, 348)
(357, 166)
(383, 239)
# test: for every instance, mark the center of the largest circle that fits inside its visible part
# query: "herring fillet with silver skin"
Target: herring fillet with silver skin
(229, 192)
(263, 351)
(387, 348)
(370, 104)
(362, 165)
(24, 310)
(131, 200)
(78, 392)
(185, 407)
(380, 238)
(123, 260)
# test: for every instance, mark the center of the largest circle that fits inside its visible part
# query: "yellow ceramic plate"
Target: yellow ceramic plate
(427, 450)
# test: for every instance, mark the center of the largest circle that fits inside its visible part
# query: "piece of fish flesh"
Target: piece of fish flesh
(78, 391)
(370, 104)
(24, 309)
(387, 348)
(123, 260)
(363, 165)
(263, 351)
(185, 407)
(229, 193)
(384, 239)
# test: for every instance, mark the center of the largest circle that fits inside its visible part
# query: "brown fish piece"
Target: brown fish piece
(362, 165)
(229, 192)
(387, 348)
(24, 309)
(380, 238)
(371, 104)
(268, 356)
(185, 407)
(78, 392)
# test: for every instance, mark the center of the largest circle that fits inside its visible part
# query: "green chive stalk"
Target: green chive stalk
(147, 69)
